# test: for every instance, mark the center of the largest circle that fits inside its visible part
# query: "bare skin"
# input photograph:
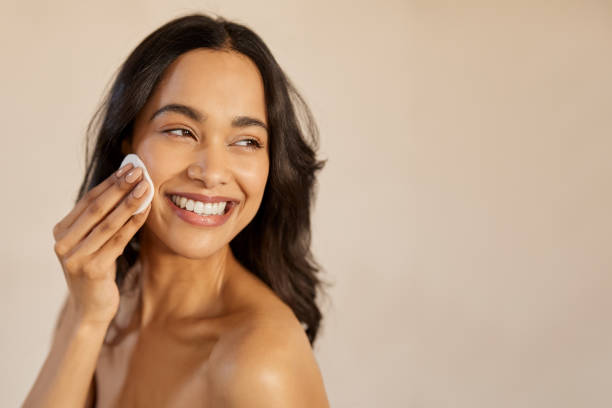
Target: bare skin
(198, 328)
(204, 331)
(196, 363)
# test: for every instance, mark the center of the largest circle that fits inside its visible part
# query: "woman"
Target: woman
(215, 310)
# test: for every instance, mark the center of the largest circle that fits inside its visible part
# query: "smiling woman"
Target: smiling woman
(208, 298)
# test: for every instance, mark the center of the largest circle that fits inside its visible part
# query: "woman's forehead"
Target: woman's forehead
(204, 75)
(220, 84)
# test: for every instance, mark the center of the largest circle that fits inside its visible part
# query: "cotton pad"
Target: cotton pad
(136, 162)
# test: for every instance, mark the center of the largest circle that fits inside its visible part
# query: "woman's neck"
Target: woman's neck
(175, 288)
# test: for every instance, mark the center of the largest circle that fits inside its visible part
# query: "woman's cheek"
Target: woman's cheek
(253, 176)
(159, 157)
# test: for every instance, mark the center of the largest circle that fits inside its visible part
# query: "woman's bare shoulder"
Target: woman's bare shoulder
(261, 316)
(265, 360)
(267, 363)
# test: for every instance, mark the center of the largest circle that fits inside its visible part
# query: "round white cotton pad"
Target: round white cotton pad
(136, 162)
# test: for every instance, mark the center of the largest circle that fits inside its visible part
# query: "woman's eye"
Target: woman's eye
(252, 143)
(179, 130)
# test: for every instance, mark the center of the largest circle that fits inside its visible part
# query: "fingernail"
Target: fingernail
(133, 175)
(122, 170)
(140, 189)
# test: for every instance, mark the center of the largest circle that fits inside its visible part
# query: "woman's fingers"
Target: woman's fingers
(61, 227)
(114, 247)
(97, 210)
(91, 238)
(109, 227)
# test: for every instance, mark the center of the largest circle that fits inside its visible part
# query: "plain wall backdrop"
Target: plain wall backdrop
(463, 215)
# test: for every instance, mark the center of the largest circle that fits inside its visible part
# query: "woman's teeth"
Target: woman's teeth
(199, 207)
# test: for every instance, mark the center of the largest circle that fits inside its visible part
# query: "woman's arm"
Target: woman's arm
(66, 378)
(88, 242)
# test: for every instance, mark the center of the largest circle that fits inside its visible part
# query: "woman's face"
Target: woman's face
(207, 146)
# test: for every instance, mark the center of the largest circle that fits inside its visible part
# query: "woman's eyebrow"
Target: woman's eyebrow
(237, 121)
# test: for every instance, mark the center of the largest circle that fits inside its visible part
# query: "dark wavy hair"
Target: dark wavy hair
(275, 245)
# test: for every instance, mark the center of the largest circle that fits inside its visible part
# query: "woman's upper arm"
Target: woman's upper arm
(278, 383)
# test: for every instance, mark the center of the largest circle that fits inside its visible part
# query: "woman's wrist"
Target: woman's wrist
(85, 326)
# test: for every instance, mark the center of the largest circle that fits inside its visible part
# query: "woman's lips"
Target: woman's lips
(202, 220)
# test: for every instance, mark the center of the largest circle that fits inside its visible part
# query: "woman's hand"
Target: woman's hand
(91, 237)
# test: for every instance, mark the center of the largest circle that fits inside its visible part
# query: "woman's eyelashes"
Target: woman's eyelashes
(253, 143)
(179, 129)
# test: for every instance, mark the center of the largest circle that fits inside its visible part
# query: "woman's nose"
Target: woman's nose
(210, 167)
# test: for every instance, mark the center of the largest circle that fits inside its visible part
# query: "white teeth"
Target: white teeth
(199, 207)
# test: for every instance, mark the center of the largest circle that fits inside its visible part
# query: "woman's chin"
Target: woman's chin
(195, 250)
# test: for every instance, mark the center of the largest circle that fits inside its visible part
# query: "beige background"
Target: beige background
(464, 214)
